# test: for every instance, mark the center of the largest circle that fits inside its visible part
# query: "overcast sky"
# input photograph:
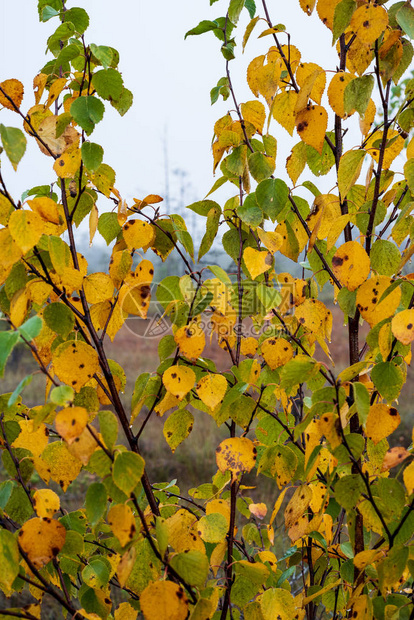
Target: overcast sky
(170, 78)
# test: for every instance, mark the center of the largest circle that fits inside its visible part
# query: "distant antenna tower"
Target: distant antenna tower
(166, 172)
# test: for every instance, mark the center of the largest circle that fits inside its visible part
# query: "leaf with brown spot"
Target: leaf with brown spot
(237, 454)
(311, 125)
(42, 539)
(122, 523)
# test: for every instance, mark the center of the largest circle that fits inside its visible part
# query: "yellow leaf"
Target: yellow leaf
(382, 420)
(169, 598)
(403, 326)
(307, 5)
(220, 506)
(252, 78)
(168, 402)
(248, 346)
(46, 502)
(369, 22)
(283, 109)
(311, 124)
(68, 164)
(59, 464)
(328, 426)
(257, 262)
(26, 228)
(254, 112)
(267, 75)
(138, 234)
(368, 300)
(182, 532)
(119, 266)
(122, 523)
(39, 83)
(179, 380)
(395, 456)
(98, 287)
(42, 539)
(13, 89)
(360, 54)
(70, 423)
(47, 209)
(351, 265)
(408, 477)
(271, 240)
(47, 131)
(336, 92)
(385, 340)
(211, 389)
(276, 352)
(366, 121)
(191, 340)
(325, 211)
(55, 90)
(125, 612)
(276, 604)
(75, 363)
(93, 223)
(296, 162)
(19, 306)
(315, 317)
(319, 496)
(337, 226)
(258, 510)
(326, 11)
(237, 455)
(31, 437)
(304, 72)
(83, 447)
(394, 146)
(298, 505)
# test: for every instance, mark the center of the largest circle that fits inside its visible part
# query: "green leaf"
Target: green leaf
(108, 83)
(8, 341)
(249, 212)
(388, 380)
(220, 274)
(251, 7)
(213, 527)
(203, 26)
(349, 170)
(271, 196)
(127, 471)
(9, 560)
(385, 257)
(62, 395)
(362, 401)
(108, 425)
(19, 389)
(59, 318)
(177, 427)
(392, 567)
(61, 35)
(405, 19)
(297, 370)
(108, 226)
(235, 9)
(124, 101)
(358, 93)
(260, 166)
(212, 225)
(347, 301)
(319, 163)
(87, 111)
(78, 17)
(203, 207)
(192, 566)
(47, 13)
(409, 174)
(14, 143)
(268, 296)
(342, 17)
(103, 54)
(92, 155)
(6, 489)
(96, 574)
(95, 502)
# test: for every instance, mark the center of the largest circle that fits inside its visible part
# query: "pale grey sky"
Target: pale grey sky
(170, 78)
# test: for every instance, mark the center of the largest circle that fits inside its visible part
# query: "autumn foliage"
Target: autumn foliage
(335, 540)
